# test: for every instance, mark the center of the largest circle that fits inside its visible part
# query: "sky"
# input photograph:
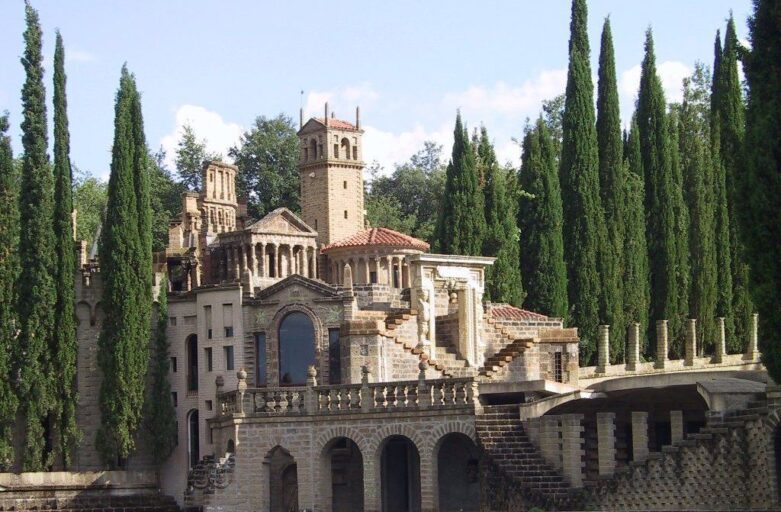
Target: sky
(410, 65)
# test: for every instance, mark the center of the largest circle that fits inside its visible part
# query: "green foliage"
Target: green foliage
(89, 200)
(160, 415)
(36, 288)
(699, 190)
(461, 224)
(190, 155)
(659, 205)
(540, 216)
(503, 278)
(553, 110)
(65, 345)
(166, 202)
(125, 253)
(584, 228)
(612, 182)
(386, 211)
(759, 204)
(267, 157)
(9, 273)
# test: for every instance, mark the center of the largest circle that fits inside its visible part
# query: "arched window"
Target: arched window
(193, 446)
(346, 148)
(296, 348)
(313, 149)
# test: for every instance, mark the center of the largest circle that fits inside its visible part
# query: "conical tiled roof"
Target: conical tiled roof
(379, 236)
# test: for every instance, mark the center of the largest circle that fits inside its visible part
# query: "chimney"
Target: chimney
(358, 117)
(326, 113)
(300, 118)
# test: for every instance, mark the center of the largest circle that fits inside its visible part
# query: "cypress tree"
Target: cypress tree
(9, 273)
(637, 293)
(37, 295)
(612, 182)
(732, 126)
(696, 162)
(540, 217)
(760, 203)
(724, 297)
(160, 413)
(64, 312)
(503, 278)
(659, 182)
(584, 228)
(461, 225)
(125, 255)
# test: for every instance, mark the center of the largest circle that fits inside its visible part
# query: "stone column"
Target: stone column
(752, 351)
(305, 262)
(314, 263)
(550, 444)
(372, 486)
(690, 349)
(572, 448)
(389, 276)
(251, 259)
(263, 263)
(661, 344)
(639, 436)
(603, 348)
(721, 341)
(366, 271)
(243, 258)
(606, 442)
(676, 426)
(236, 263)
(633, 350)
(229, 263)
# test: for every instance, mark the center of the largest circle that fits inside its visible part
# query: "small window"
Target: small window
(334, 357)
(558, 367)
(315, 224)
(175, 399)
(227, 319)
(228, 358)
(172, 321)
(345, 214)
(336, 150)
(373, 277)
(344, 184)
(208, 405)
(209, 359)
(173, 365)
(229, 332)
(207, 315)
(355, 152)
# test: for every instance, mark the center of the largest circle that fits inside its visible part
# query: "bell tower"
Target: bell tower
(331, 173)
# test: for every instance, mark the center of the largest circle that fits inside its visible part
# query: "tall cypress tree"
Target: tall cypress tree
(540, 221)
(732, 131)
(584, 228)
(659, 182)
(696, 163)
(612, 182)
(503, 278)
(37, 295)
(637, 293)
(125, 256)
(64, 312)
(9, 273)
(724, 297)
(760, 203)
(461, 224)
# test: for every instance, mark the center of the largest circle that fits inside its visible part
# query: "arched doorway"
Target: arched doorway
(458, 478)
(400, 475)
(192, 362)
(296, 348)
(342, 475)
(193, 446)
(283, 481)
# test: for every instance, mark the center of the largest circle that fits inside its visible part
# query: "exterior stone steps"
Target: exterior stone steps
(506, 355)
(86, 501)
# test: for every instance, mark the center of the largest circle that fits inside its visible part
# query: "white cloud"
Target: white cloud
(79, 56)
(670, 72)
(219, 134)
(389, 148)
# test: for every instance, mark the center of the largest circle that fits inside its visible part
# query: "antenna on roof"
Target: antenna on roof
(301, 110)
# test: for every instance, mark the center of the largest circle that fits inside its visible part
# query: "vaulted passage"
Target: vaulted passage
(283, 481)
(400, 474)
(342, 474)
(457, 474)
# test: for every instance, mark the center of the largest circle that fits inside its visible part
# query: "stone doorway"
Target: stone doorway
(342, 476)
(458, 479)
(283, 481)
(400, 475)
(193, 445)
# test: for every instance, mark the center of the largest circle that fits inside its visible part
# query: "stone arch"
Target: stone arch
(282, 475)
(313, 149)
(437, 437)
(772, 425)
(347, 494)
(272, 339)
(399, 474)
(345, 147)
(455, 473)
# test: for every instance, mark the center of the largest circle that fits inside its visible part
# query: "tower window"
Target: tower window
(345, 214)
(355, 152)
(344, 185)
(336, 150)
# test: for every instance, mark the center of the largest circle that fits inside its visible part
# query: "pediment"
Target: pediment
(298, 287)
(312, 126)
(282, 222)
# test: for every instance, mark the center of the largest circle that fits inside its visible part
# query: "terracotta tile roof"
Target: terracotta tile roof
(513, 313)
(337, 123)
(379, 236)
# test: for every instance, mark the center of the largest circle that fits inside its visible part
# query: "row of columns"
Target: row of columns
(267, 260)
(662, 344)
(362, 268)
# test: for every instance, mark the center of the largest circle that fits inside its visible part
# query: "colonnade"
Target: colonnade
(266, 260)
(389, 270)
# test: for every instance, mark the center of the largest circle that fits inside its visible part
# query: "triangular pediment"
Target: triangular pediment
(298, 285)
(282, 222)
(311, 126)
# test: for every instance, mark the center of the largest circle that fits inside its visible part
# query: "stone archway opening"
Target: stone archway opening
(341, 473)
(777, 457)
(283, 481)
(400, 475)
(458, 479)
(193, 441)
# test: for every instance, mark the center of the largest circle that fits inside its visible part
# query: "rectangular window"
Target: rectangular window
(228, 358)
(229, 332)
(208, 405)
(373, 277)
(227, 319)
(355, 152)
(336, 150)
(558, 367)
(345, 214)
(174, 398)
(260, 359)
(334, 357)
(209, 359)
(344, 185)
(207, 315)
(173, 365)
(172, 321)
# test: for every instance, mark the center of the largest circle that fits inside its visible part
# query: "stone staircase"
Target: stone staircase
(505, 356)
(504, 440)
(86, 501)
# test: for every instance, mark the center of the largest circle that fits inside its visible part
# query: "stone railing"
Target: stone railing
(366, 397)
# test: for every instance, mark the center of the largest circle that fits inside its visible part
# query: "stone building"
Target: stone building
(318, 363)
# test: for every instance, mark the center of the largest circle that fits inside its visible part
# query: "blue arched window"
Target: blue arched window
(296, 348)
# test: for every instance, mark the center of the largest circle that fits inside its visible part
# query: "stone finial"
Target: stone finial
(752, 350)
(311, 375)
(242, 376)
(690, 349)
(219, 381)
(365, 374)
(347, 279)
(422, 366)
(633, 351)
(721, 341)
(603, 348)
(661, 344)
